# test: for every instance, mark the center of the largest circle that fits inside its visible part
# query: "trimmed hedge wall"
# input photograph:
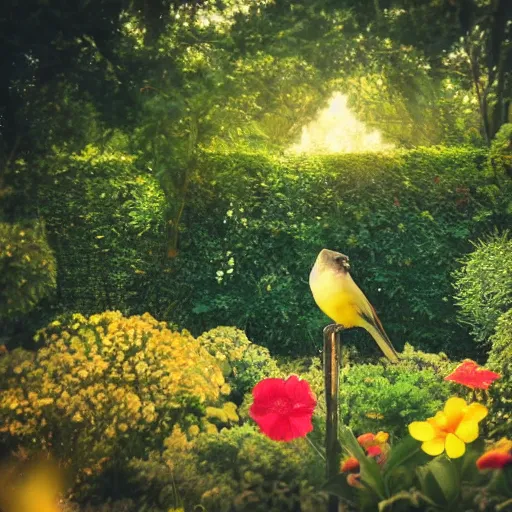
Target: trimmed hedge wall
(252, 229)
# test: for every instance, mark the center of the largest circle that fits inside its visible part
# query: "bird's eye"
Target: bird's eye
(342, 261)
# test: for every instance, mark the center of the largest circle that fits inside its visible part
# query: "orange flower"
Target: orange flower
(497, 457)
(350, 464)
(471, 375)
(365, 440)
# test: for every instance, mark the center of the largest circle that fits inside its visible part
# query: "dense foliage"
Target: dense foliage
(152, 189)
(253, 225)
(235, 470)
(484, 285)
(105, 223)
(500, 360)
(27, 268)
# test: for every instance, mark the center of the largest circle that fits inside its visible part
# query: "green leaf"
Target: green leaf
(440, 480)
(370, 472)
(404, 452)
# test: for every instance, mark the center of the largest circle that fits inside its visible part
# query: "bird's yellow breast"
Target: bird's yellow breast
(334, 296)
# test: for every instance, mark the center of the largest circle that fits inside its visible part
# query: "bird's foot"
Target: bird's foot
(331, 329)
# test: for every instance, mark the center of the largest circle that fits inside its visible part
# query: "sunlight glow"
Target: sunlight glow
(336, 130)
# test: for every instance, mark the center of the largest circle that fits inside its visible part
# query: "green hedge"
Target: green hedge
(251, 232)
(104, 220)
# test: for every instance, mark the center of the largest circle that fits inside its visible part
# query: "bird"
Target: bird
(339, 297)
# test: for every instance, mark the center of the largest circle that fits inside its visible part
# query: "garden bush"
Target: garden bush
(27, 268)
(484, 285)
(388, 397)
(105, 388)
(384, 396)
(500, 360)
(243, 363)
(252, 228)
(236, 470)
(105, 220)
(501, 151)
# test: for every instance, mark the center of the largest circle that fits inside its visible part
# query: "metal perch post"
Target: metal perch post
(332, 358)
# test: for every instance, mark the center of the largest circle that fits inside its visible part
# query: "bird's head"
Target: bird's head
(333, 260)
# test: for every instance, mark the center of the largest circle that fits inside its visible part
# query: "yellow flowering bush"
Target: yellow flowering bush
(106, 385)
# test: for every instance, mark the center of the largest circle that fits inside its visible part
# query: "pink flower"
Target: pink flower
(470, 374)
(283, 408)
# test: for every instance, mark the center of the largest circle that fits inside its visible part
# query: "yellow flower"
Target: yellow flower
(450, 429)
(77, 417)
(193, 430)
(110, 432)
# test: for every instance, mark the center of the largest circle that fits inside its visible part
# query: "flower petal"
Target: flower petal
(467, 431)
(276, 427)
(494, 459)
(455, 447)
(434, 446)
(454, 407)
(475, 412)
(350, 464)
(366, 440)
(421, 430)
(381, 437)
(470, 374)
(300, 426)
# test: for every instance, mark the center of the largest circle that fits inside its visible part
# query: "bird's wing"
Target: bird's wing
(372, 323)
(375, 328)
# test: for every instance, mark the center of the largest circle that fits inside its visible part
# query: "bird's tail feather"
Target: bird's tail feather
(383, 341)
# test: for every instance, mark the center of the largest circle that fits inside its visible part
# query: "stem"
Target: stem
(315, 447)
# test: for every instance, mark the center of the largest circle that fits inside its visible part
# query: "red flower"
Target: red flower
(494, 459)
(374, 451)
(283, 408)
(499, 456)
(470, 374)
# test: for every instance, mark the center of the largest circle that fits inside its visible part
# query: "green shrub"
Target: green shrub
(377, 397)
(501, 151)
(105, 220)
(500, 360)
(388, 397)
(236, 470)
(107, 388)
(27, 268)
(243, 363)
(484, 285)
